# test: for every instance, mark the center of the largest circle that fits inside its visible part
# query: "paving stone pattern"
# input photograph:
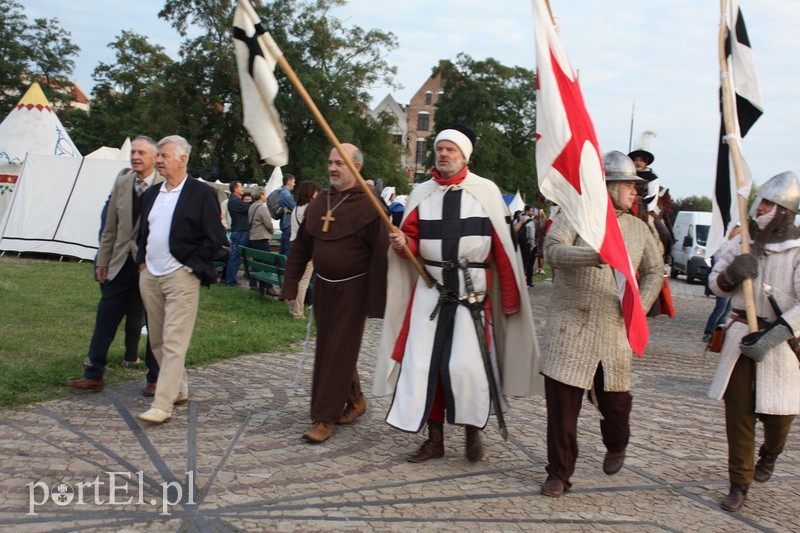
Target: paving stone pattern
(236, 452)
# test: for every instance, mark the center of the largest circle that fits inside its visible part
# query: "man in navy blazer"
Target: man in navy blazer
(180, 232)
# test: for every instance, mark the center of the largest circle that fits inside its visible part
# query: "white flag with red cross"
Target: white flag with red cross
(570, 168)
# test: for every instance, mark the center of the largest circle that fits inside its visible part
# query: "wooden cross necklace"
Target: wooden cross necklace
(328, 217)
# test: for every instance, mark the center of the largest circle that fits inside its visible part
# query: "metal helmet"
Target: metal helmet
(782, 189)
(619, 167)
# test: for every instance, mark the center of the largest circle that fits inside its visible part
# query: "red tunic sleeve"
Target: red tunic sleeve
(505, 275)
(410, 227)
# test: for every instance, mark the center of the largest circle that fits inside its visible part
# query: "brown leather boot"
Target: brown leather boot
(353, 411)
(765, 466)
(736, 498)
(433, 448)
(474, 449)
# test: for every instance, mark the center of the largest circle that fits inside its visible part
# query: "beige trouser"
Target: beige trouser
(171, 303)
(302, 287)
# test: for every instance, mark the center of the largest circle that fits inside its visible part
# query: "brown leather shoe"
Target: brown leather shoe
(736, 498)
(319, 432)
(474, 448)
(553, 487)
(433, 447)
(149, 390)
(613, 462)
(353, 411)
(86, 384)
(765, 466)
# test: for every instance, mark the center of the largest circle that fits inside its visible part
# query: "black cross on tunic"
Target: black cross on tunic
(449, 229)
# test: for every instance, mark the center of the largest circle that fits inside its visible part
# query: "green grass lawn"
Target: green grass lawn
(48, 310)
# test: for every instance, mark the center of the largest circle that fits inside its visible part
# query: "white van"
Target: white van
(689, 255)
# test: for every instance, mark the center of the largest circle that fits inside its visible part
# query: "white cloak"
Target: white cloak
(515, 349)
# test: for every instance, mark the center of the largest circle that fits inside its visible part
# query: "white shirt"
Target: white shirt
(159, 259)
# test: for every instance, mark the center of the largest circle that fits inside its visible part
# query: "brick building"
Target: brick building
(415, 125)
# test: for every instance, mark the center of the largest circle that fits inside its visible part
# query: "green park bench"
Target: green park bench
(263, 266)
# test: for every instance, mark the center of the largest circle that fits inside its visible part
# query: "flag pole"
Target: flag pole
(630, 135)
(738, 167)
(298, 85)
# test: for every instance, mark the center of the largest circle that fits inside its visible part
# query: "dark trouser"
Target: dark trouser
(527, 262)
(286, 240)
(740, 423)
(263, 245)
(120, 297)
(234, 258)
(563, 408)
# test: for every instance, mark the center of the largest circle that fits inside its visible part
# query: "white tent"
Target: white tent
(31, 127)
(106, 152)
(516, 204)
(57, 204)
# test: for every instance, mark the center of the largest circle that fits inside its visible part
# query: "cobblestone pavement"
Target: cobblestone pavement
(235, 452)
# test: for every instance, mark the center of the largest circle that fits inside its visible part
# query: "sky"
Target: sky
(660, 56)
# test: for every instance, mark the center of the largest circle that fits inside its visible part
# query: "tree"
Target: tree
(14, 50)
(336, 64)
(51, 52)
(690, 203)
(499, 103)
(122, 96)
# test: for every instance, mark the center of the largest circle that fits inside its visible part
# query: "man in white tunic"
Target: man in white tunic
(458, 225)
(758, 374)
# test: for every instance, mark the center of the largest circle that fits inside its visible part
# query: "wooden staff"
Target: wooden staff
(732, 139)
(298, 85)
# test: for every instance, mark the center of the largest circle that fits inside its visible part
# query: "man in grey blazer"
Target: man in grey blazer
(115, 268)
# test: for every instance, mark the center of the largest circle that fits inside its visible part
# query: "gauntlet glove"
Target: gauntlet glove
(742, 267)
(756, 345)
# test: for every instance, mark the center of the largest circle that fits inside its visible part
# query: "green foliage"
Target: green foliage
(690, 203)
(51, 52)
(14, 68)
(40, 51)
(198, 95)
(499, 103)
(51, 307)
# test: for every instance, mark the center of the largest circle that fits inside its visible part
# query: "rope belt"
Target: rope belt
(341, 280)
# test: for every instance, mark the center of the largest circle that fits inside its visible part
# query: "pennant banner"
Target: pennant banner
(256, 57)
(749, 106)
(570, 168)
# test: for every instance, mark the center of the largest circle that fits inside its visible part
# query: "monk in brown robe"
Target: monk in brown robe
(345, 237)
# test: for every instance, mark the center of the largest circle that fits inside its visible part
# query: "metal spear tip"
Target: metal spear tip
(767, 288)
(504, 433)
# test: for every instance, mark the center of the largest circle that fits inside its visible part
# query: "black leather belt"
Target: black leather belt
(453, 265)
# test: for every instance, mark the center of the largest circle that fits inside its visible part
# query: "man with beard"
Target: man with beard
(587, 348)
(758, 375)
(344, 236)
(459, 226)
